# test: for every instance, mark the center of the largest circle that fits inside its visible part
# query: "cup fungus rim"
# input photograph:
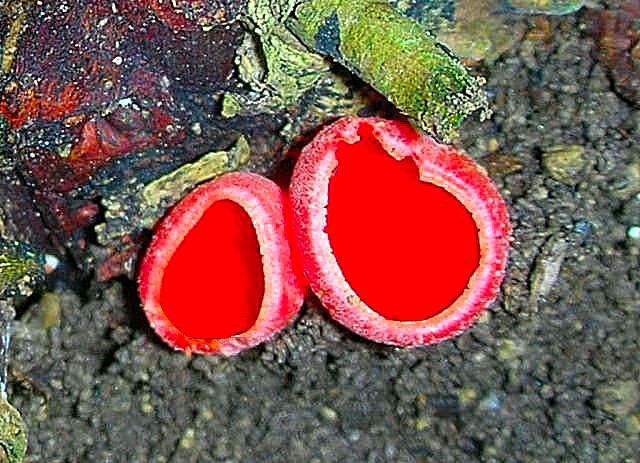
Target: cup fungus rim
(282, 295)
(456, 173)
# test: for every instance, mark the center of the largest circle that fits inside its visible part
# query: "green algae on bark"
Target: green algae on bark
(13, 434)
(21, 268)
(397, 57)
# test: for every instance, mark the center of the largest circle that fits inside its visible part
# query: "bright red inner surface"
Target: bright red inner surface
(214, 283)
(406, 247)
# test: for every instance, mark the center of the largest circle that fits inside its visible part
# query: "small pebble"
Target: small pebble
(584, 229)
(634, 232)
(509, 350)
(329, 414)
(146, 406)
(493, 145)
(467, 396)
(565, 163)
(188, 439)
(632, 425)
(491, 403)
(618, 398)
(422, 423)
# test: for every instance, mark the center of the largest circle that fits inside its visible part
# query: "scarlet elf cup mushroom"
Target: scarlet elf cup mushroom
(219, 276)
(404, 240)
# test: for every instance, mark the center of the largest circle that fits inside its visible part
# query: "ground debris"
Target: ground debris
(547, 268)
(565, 163)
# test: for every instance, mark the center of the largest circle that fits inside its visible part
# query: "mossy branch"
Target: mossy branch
(396, 56)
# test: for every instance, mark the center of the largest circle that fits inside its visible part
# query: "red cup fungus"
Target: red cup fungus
(219, 275)
(404, 240)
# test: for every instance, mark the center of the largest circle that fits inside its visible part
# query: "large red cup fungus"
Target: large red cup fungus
(404, 240)
(219, 276)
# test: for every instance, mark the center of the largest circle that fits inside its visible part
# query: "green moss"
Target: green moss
(20, 268)
(13, 434)
(231, 106)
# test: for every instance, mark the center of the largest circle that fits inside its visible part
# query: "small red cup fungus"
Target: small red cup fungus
(404, 240)
(219, 276)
